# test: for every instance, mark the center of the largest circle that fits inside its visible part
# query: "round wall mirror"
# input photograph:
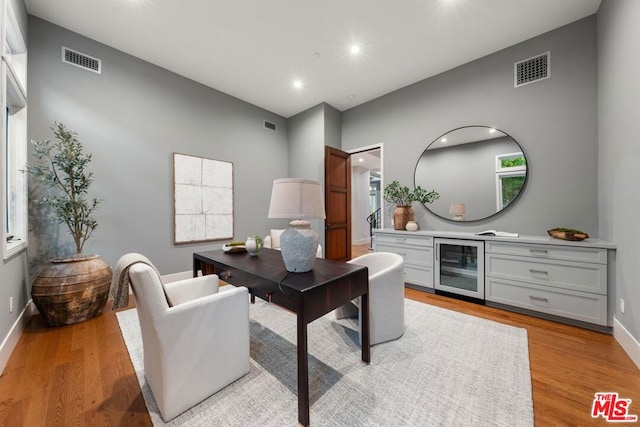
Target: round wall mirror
(477, 170)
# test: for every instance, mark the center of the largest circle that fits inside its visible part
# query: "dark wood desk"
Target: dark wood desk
(309, 295)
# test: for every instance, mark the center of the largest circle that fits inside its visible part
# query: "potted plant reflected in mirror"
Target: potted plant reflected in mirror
(74, 288)
(402, 197)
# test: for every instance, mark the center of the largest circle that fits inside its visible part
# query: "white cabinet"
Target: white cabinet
(417, 251)
(537, 275)
(565, 281)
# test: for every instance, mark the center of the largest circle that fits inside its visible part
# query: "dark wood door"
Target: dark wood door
(337, 193)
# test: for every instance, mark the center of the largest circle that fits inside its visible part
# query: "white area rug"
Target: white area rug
(449, 369)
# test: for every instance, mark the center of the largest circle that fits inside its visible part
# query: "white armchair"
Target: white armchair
(196, 346)
(386, 296)
(272, 240)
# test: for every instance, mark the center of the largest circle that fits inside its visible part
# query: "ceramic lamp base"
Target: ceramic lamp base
(299, 245)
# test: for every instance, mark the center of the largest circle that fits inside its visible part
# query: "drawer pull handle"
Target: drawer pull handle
(400, 239)
(539, 252)
(539, 299)
(541, 272)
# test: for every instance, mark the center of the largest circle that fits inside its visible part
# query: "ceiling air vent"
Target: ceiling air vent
(532, 69)
(70, 56)
(269, 125)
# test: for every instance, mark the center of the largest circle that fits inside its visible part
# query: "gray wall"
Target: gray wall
(554, 121)
(619, 148)
(13, 272)
(309, 132)
(131, 118)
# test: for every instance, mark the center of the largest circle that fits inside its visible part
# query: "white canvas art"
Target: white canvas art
(203, 199)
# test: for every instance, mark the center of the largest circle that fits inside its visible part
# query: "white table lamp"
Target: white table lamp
(458, 210)
(300, 199)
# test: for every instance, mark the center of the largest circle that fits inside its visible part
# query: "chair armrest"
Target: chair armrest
(202, 321)
(398, 268)
(188, 289)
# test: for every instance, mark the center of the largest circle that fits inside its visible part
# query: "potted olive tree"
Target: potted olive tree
(402, 197)
(74, 288)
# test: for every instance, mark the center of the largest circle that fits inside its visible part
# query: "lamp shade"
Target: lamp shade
(296, 198)
(458, 210)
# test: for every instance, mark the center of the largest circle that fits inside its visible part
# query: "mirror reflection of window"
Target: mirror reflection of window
(511, 171)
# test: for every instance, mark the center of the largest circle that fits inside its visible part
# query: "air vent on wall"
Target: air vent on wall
(81, 60)
(269, 125)
(532, 69)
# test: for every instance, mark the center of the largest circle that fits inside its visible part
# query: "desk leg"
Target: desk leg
(303, 372)
(196, 267)
(366, 347)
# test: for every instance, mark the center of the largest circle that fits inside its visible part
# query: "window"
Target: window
(511, 171)
(14, 138)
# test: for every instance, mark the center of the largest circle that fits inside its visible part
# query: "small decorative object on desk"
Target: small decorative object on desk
(233, 247)
(253, 245)
(411, 226)
(567, 234)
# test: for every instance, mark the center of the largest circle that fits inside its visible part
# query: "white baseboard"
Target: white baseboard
(628, 342)
(362, 241)
(12, 338)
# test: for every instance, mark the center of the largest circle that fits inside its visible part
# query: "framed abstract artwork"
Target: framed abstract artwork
(202, 199)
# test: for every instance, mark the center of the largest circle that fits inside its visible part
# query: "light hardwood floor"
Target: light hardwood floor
(81, 375)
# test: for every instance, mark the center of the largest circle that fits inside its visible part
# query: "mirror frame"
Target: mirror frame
(498, 212)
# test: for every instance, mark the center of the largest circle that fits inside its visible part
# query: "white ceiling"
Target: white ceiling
(255, 49)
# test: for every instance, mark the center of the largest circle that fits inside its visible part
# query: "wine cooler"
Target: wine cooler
(459, 267)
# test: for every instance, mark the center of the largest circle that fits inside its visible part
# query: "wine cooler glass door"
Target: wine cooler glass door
(460, 267)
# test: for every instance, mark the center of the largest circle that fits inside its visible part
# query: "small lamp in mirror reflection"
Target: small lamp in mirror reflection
(299, 199)
(458, 210)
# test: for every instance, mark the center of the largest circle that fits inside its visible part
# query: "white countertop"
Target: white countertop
(531, 239)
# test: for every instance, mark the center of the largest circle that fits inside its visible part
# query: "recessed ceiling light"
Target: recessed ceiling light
(443, 140)
(492, 130)
(355, 49)
(352, 96)
(297, 84)
(361, 159)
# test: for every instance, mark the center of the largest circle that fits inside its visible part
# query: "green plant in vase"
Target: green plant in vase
(76, 288)
(62, 167)
(402, 197)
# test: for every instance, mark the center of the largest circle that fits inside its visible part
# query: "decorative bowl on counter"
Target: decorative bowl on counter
(567, 234)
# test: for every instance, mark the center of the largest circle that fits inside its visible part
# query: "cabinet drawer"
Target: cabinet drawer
(420, 241)
(419, 256)
(422, 276)
(591, 308)
(567, 253)
(560, 274)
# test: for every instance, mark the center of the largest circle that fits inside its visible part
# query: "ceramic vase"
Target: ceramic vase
(253, 246)
(401, 215)
(411, 226)
(72, 290)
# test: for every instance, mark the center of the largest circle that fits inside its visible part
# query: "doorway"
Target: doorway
(366, 194)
